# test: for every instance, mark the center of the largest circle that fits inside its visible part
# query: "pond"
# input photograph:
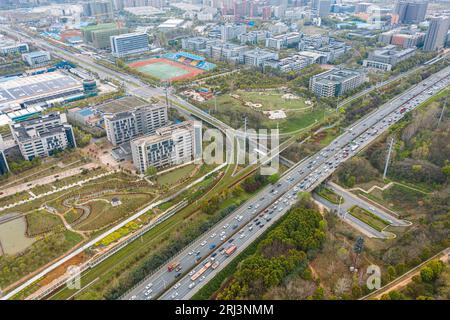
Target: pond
(13, 237)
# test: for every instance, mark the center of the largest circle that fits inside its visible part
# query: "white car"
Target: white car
(242, 236)
(202, 278)
(203, 243)
(213, 235)
(226, 226)
(192, 285)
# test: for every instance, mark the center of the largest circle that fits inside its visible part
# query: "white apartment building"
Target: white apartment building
(171, 145)
(232, 31)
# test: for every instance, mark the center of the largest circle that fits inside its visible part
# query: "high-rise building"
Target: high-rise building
(232, 31)
(175, 144)
(99, 35)
(100, 9)
(129, 117)
(324, 8)
(436, 34)
(411, 11)
(129, 43)
(43, 136)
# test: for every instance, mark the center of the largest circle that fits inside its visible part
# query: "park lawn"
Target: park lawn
(174, 176)
(295, 120)
(103, 213)
(40, 221)
(271, 100)
(369, 218)
(73, 215)
(330, 195)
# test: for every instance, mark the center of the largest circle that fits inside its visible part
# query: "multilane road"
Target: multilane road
(244, 225)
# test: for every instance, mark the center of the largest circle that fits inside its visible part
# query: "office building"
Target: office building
(336, 82)
(436, 35)
(101, 10)
(130, 117)
(43, 136)
(4, 168)
(172, 145)
(283, 41)
(257, 57)
(9, 46)
(294, 63)
(405, 38)
(225, 51)
(324, 7)
(129, 43)
(232, 31)
(36, 58)
(411, 11)
(99, 35)
(253, 37)
(196, 44)
(387, 57)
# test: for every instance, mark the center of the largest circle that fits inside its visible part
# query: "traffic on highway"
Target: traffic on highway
(201, 260)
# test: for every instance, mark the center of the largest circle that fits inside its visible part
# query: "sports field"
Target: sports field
(164, 69)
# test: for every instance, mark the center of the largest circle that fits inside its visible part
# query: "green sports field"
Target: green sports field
(163, 70)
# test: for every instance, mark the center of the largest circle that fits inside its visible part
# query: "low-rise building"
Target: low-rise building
(225, 51)
(9, 46)
(257, 57)
(168, 146)
(36, 58)
(387, 57)
(295, 62)
(197, 44)
(253, 37)
(43, 136)
(283, 40)
(336, 82)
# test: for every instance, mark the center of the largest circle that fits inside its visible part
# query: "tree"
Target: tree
(426, 274)
(151, 171)
(274, 178)
(358, 247)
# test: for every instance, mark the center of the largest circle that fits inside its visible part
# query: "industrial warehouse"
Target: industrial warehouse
(42, 89)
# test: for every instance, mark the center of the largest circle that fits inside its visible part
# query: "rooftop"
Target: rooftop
(126, 103)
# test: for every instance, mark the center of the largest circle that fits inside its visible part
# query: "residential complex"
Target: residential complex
(335, 82)
(168, 146)
(387, 57)
(129, 43)
(43, 136)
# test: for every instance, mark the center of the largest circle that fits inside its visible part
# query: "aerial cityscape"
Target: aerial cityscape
(224, 150)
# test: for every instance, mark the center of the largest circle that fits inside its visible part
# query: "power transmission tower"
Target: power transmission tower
(388, 158)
